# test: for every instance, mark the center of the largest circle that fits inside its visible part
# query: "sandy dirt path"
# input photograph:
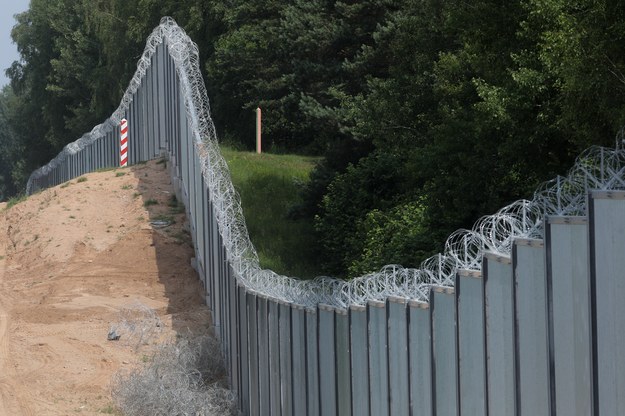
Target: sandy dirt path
(74, 260)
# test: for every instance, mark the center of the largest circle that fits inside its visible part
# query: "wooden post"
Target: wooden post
(258, 130)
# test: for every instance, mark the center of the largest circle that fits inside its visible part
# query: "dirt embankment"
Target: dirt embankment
(71, 258)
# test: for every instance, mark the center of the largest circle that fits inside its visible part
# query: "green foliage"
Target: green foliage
(371, 184)
(11, 157)
(396, 236)
(15, 200)
(150, 202)
(269, 185)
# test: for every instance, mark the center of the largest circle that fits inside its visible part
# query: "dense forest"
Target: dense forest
(427, 113)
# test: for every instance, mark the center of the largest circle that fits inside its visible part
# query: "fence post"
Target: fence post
(471, 342)
(444, 351)
(420, 358)
(378, 358)
(499, 301)
(359, 359)
(568, 288)
(258, 130)
(397, 319)
(532, 329)
(606, 212)
(123, 144)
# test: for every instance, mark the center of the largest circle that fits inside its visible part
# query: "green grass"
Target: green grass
(269, 186)
(108, 410)
(15, 200)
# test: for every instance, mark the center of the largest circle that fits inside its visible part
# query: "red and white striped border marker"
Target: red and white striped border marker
(123, 144)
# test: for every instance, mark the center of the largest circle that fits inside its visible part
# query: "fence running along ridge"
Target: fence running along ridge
(521, 314)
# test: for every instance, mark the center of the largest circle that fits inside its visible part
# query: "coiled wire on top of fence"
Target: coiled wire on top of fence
(596, 168)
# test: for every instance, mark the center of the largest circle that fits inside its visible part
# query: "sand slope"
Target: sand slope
(71, 258)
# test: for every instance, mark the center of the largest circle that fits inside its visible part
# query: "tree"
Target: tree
(10, 151)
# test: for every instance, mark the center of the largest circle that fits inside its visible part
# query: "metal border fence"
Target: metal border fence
(520, 315)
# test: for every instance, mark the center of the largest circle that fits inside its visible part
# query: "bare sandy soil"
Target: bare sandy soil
(71, 258)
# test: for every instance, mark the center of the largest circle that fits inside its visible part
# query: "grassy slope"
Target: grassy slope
(269, 185)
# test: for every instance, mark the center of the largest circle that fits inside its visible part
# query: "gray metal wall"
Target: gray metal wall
(539, 333)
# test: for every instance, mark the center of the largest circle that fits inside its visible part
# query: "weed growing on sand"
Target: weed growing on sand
(15, 200)
(108, 410)
(136, 195)
(183, 237)
(1, 258)
(176, 206)
(81, 179)
(185, 377)
(126, 187)
(119, 174)
(150, 202)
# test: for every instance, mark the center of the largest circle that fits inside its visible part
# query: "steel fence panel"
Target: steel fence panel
(263, 319)
(606, 212)
(471, 343)
(499, 301)
(162, 94)
(444, 351)
(286, 380)
(343, 359)
(243, 388)
(327, 361)
(397, 321)
(420, 358)
(234, 356)
(568, 283)
(378, 359)
(299, 348)
(359, 359)
(253, 353)
(532, 330)
(312, 362)
(149, 119)
(274, 359)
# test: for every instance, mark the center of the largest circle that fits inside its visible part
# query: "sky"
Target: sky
(8, 51)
